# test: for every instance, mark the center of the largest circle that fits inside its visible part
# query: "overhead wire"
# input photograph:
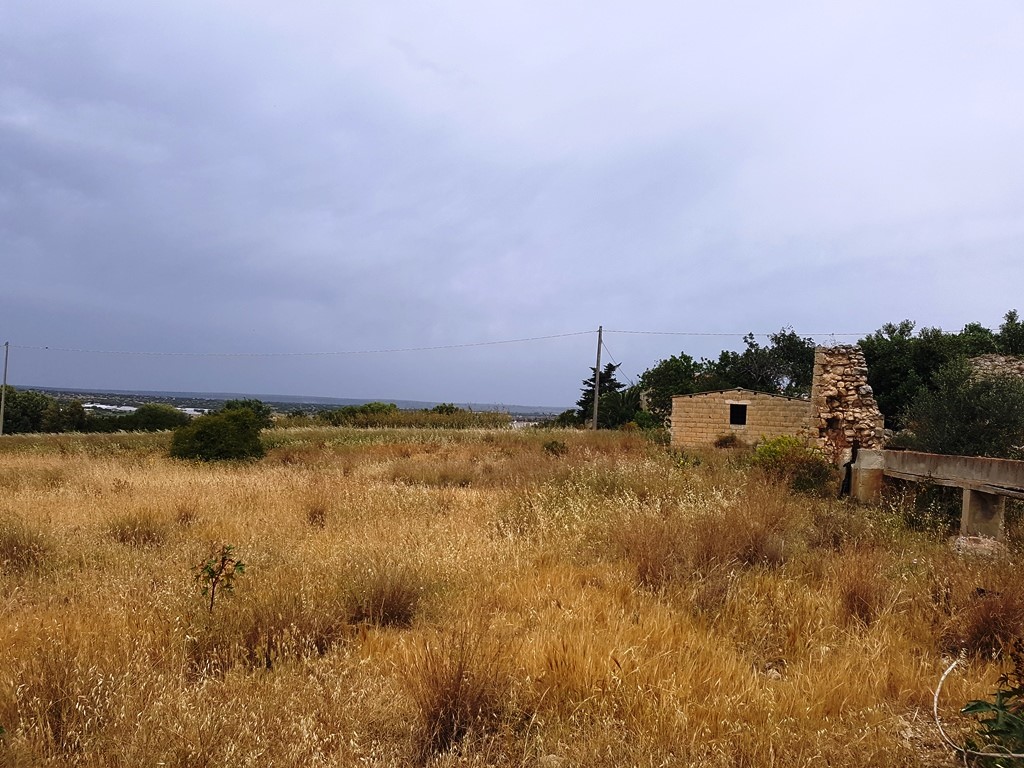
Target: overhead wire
(723, 333)
(329, 353)
(392, 350)
(616, 363)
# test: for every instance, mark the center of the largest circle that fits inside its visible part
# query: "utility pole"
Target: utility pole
(3, 391)
(597, 375)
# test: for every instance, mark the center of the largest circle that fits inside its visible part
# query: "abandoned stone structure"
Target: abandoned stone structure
(843, 405)
(998, 365)
(702, 418)
(842, 410)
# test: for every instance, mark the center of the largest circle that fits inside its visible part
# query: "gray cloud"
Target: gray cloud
(257, 177)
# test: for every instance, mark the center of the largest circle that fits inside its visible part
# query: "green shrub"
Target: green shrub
(566, 419)
(556, 448)
(153, 417)
(786, 458)
(1000, 728)
(969, 415)
(727, 441)
(263, 413)
(219, 569)
(647, 420)
(233, 434)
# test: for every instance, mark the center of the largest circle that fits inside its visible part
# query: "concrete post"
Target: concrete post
(982, 515)
(867, 476)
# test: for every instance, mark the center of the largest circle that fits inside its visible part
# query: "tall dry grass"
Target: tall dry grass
(470, 598)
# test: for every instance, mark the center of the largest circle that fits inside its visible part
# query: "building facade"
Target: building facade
(841, 413)
(698, 420)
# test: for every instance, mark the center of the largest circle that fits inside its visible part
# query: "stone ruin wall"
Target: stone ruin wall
(843, 405)
(998, 365)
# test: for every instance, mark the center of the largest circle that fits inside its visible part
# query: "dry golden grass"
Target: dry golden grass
(469, 598)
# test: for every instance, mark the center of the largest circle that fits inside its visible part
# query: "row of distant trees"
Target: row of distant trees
(383, 415)
(921, 381)
(920, 378)
(31, 411)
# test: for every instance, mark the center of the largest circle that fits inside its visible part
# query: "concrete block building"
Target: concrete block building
(841, 412)
(701, 418)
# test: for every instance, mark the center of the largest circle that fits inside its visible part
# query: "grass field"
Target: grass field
(472, 598)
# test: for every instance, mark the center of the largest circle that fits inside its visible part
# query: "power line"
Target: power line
(391, 350)
(708, 333)
(617, 363)
(333, 353)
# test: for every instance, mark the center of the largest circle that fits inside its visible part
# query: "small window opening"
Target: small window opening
(737, 415)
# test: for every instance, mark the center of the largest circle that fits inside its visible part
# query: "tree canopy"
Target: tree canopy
(784, 366)
(25, 410)
(969, 415)
(607, 384)
(1011, 335)
(902, 364)
(676, 375)
(260, 410)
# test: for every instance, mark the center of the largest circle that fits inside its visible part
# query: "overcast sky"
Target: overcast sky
(268, 177)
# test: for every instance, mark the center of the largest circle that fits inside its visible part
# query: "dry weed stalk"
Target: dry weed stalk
(651, 610)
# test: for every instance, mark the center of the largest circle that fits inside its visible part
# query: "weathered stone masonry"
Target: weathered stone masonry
(843, 405)
(998, 365)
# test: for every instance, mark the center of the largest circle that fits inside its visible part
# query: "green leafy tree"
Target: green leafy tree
(367, 414)
(676, 375)
(785, 366)
(892, 373)
(25, 410)
(969, 415)
(568, 418)
(263, 412)
(103, 422)
(225, 435)
(618, 407)
(447, 409)
(153, 417)
(975, 339)
(793, 359)
(751, 369)
(376, 408)
(607, 383)
(64, 416)
(1011, 334)
(902, 364)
